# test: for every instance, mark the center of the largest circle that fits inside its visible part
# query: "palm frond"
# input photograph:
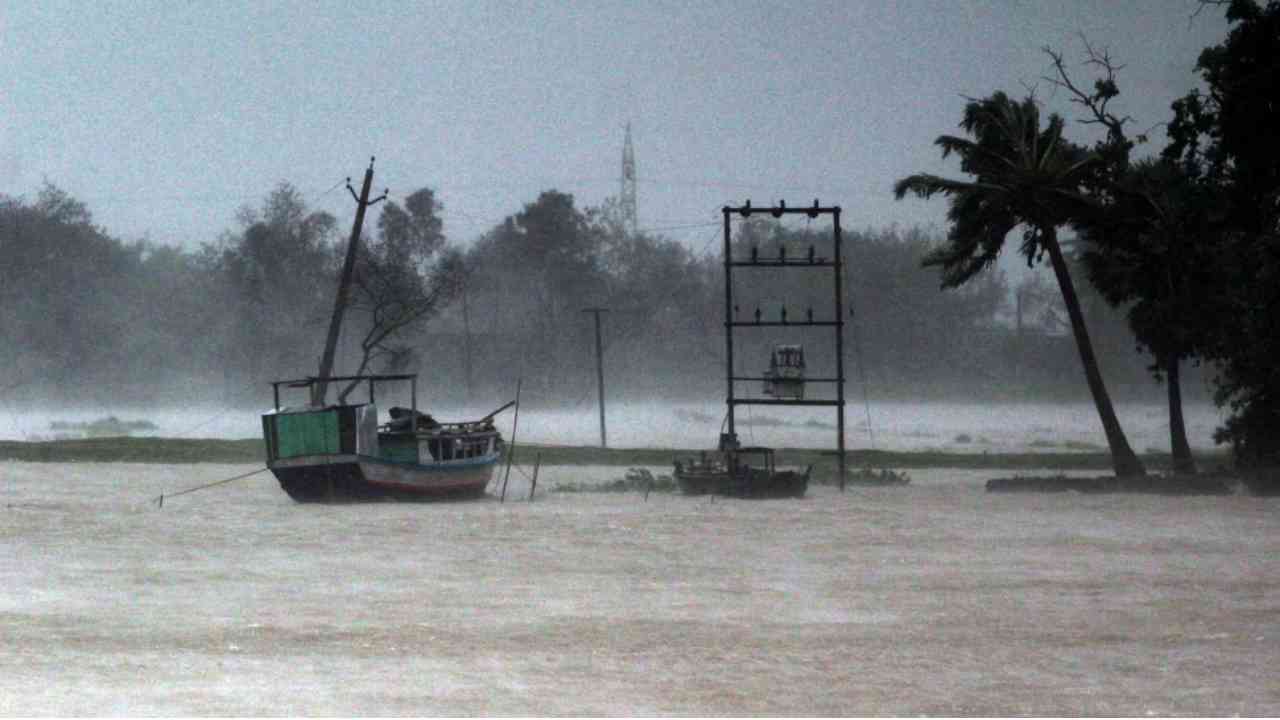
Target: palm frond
(980, 222)
(958, 145)
(1080, 167)
(1052, 139)
(926, 186)
(970, 150)
(1022, 175)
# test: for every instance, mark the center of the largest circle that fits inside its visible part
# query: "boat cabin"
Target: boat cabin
(407, 436)
(754, 457)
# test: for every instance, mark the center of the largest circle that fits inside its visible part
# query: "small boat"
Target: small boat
(745, 472)
(340, 453)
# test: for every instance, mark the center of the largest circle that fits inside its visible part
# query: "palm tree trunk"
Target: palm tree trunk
(1182, 460)
(1123, 459)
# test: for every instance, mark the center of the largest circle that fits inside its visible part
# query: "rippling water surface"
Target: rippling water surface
(933, 598)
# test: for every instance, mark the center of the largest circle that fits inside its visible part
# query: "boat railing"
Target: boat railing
(370, 381)
(440, 429)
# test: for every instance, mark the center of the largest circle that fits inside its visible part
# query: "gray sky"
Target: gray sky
(167, 117)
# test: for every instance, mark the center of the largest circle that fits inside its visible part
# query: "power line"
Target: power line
(211, 197)
(687, 226)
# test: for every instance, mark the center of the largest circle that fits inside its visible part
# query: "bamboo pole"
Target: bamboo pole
(533, 486)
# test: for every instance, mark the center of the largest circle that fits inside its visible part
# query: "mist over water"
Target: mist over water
(957, 427)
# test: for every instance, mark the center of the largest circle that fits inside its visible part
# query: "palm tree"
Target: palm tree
(1023, 177)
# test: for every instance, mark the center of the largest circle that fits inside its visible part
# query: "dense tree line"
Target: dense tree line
(88, 317)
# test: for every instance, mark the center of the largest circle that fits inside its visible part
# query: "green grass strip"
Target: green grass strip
(181, 450)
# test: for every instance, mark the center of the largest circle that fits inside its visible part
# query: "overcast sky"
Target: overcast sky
(167, 117)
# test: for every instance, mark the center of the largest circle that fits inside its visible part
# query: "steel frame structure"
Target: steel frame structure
(806, 263)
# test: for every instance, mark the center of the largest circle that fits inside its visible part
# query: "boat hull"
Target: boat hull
(754, 485)
(360, 478)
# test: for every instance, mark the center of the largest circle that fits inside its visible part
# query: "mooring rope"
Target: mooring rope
(160, 498)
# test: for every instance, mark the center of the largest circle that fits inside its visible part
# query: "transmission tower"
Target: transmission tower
(627, 199)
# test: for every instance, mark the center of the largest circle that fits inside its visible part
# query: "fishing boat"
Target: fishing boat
(742, 472)
(343, 453)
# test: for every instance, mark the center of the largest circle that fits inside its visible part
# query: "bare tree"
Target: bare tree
(402, 278)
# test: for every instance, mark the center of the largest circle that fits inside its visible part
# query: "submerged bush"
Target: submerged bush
(868, 476)
(636, 480)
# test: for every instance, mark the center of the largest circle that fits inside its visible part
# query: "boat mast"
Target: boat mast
(320, 389)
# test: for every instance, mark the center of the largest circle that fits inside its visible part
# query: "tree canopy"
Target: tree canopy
(1226, 137)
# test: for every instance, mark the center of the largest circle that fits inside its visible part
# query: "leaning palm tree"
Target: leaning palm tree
(1024, 177)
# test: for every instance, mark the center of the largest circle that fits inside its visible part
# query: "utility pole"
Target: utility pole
(320, 389)
(599, 370)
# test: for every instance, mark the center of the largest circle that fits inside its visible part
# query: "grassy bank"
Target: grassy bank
(141, 450)
(176, 450)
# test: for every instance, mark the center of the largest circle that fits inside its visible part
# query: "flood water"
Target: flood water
(934, 598)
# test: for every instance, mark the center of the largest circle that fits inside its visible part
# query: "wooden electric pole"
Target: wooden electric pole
(320, 389)
(599, 371)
